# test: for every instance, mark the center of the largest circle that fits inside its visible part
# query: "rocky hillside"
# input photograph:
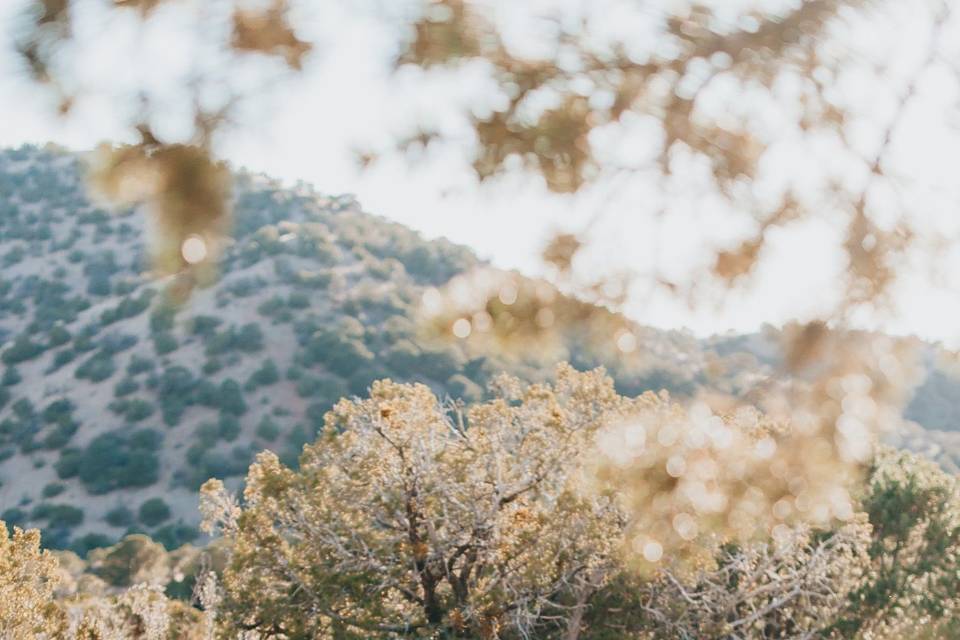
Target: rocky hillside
(115, 405)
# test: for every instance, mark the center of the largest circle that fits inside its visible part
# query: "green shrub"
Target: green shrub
(213, 464)
(11, 377)
(53, 489)
(298, 300)
(299, 436)
(127, 308)
(137, 409)
(118, 460)
(98, 285)
(58, 411)
(360, 381)
(114, 342)
(231, 398)
(267, 429)
(207, 434)
(440, 363)
(271, 306)
(68, 465)
(60, 435)
(21, 350)
(13, 256)
(249, 338)
(119, 516)
(57, 336)
(62, 358)
(212, 366)
(97, 367)
(14, 517)
(162, 317)
(206, 394)
(244, 287)
(172, 409)
(153, 512)
(57, 515)
(196, 452)
(176, 381)
(23, 409)
(315, 414)
(403, 356)
(86, 543)
(146, 439)
(174, 536)
(308, 385)
(139, 364)
(294, 372)
(164, 343)
(266, 375)
(228, 427)
(313, 279)
(342, 355)
(204, 325)
(125, 387)
(84, 342)
(124, 287)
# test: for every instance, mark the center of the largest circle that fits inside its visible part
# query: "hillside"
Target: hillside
(931, 418)
(113, 398)
(115, 405)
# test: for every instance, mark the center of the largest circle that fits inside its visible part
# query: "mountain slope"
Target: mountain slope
(115, 406)
(113, 399)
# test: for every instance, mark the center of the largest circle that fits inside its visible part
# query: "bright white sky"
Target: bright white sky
(307, 128)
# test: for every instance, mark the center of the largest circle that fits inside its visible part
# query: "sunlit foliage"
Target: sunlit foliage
(27, 580)
(409, 517)
(410, 514)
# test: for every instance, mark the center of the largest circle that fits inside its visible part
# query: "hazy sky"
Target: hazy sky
(307, 128)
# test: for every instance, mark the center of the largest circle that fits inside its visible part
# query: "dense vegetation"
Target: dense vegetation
(412, 517)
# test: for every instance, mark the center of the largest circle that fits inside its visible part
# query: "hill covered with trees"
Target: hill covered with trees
(119, 402)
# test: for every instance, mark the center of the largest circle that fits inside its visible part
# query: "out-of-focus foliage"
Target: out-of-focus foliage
(697, 47)
(187, 194)
(185, 188)
(688, 78)
(687, 82)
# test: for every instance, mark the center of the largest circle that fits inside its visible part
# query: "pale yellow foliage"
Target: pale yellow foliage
(445, 519)
(28, 577)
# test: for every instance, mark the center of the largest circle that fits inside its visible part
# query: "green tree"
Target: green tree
(434, 527)
(153, 512)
